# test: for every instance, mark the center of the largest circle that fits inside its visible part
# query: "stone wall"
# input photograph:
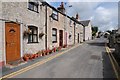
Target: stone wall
(59, 25)
(19, 12)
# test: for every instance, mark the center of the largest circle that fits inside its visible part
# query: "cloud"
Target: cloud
(102, 14)
(82, 0)
(105, 18)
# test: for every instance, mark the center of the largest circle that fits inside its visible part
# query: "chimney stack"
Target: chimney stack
(77, 16)
(61, 7)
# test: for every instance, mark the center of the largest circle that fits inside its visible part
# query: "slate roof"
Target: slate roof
(85, 23)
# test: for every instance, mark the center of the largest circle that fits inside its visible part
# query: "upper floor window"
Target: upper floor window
(33, 6)
(55, 15)
(33, 35)
(70, 23)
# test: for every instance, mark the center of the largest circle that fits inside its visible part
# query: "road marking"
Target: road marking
(13, 74)
(114, 68)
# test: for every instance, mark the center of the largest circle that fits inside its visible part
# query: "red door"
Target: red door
(12, 33)
(78, 38)
(60, 37)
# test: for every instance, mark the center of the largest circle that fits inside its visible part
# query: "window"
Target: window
(54, 35)
(33, 6)
(70, 23)
(33, 36)
(55, 15)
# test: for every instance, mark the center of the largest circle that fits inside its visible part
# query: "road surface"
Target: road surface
(84, 61)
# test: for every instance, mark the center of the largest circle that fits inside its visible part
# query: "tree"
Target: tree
(94, 30)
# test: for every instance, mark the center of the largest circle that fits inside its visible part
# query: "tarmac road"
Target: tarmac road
(84, 61)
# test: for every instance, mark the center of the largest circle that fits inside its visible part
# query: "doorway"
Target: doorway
(78, 38)
(60, 37)
(12, 36)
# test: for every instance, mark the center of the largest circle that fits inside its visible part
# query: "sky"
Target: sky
(102, 13)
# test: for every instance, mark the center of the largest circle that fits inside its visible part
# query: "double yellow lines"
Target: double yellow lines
(114, 63)
(11, 75)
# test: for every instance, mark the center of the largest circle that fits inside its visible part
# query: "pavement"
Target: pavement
(88, 60)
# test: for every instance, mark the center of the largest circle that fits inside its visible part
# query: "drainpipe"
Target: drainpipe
(46, 27)
(84, 33)
(74, 32)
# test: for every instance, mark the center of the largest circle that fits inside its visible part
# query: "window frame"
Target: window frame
(70, 23)
(35, 5)
(54, 35)
(33, 28)
(55, 13)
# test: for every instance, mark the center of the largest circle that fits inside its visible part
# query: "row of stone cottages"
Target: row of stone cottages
(28, 27)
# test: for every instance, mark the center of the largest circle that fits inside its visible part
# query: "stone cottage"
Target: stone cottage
(31, 26)
(55, 19)
(22, 23)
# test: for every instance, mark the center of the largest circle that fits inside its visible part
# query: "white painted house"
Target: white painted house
(87, 30)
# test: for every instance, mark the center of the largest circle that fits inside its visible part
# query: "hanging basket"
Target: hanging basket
(26, 33)
(41, 35)
(70, 36)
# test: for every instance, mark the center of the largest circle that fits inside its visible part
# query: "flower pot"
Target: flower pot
(50, 51)
(31, 57)
(59, 48)
(39, 53)
(64, 46)
(25, 58)
(54, 49)
(46, 52)
(43, 53)
(35, 55)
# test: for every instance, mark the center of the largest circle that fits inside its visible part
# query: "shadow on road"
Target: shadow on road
(108, 71)
(97, 44)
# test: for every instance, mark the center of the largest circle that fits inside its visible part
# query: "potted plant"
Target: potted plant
(50, 51)
(59, 48)
(35, 56)
(64, 46)
(25, 57)
(46, 52)
(31, 56)
(39, 53)
(54, 49)
(43, 53)
(26, 33)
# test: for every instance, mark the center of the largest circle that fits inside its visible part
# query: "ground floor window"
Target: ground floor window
(54, 35)
(33, 34)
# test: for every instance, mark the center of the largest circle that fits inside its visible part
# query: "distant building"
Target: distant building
(87, 30)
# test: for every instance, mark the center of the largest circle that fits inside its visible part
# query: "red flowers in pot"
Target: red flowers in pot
(26, 57)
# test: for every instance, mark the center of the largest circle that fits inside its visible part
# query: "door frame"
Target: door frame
(78, 38)
(62, 37)
(21, 40)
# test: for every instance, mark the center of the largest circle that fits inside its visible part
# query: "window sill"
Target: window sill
(33, 10)
(55, 19)
(32, 42)
(54, 42)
